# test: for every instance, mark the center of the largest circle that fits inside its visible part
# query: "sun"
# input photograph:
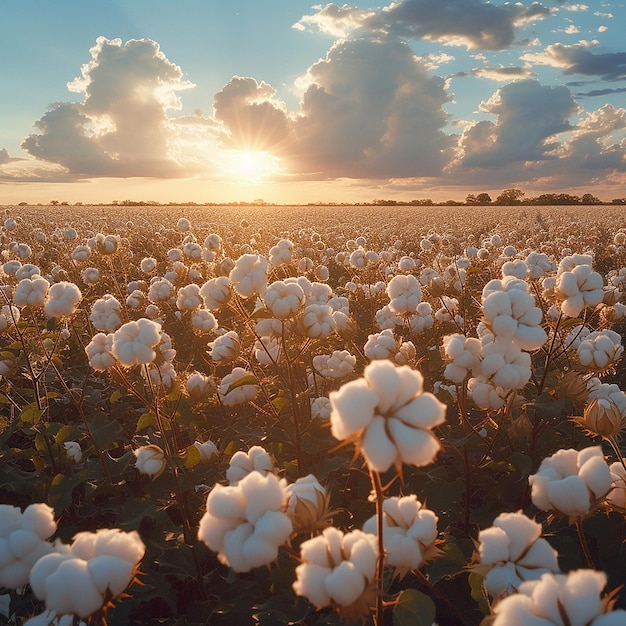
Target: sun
(250, 165)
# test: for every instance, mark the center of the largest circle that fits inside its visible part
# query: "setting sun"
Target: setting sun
(250, 165)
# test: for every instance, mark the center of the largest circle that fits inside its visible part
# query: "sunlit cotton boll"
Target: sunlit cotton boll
(107, 244)
(249, 275)
(307, 504)
(267, 349)
(208, 451)
(90, 275)
(600, 350)
(99, 351)
(62, 299)
(225, 348)
(390, 413)
(200, 387)
(339, 364)
(81, 253)
(183, 225)
(28, 270)
(136, 300)
(150, 460)
(464, 353)
(216, 292)
(320, 408)
(31, 292)
(317, 321)
(381, 345)
(239, 395)
(161, 290)
(189, 298)
(617, 496)
(512, 551)
(82, 578)
(571, 482)
(148, 265)
(160, 377)
(9, 316)
(192, 251)
(284, 300)
(338, 570)
(134, 342)
(245, 523)
(23, 541)
(573, 598)
(203, 321)
(409, 532)
(404, 293)
(257, 459)
(577, 285)
(281, 253)
(406, 353)
(106, 313)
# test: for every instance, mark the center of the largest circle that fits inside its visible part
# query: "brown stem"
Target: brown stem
(380, 562)
(584, 544)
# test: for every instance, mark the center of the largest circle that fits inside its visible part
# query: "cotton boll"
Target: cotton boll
(242, 463)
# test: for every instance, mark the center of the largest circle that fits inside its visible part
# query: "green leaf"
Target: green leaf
(479, 593)
(146, 420)
(115, 396)
(192, 457)
(246, 380)
(69, 432)
(414, 608)
(106, 430)
(31, 414)
(60, 492)
(117, 466)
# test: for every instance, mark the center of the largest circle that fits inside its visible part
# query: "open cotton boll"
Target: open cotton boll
(572, 598)
(257, 459)
(81, 578)
(381, 345)
(245, 523)
(249, 275)
(62, 299)
(571, 482)
(238, 395)
(337, 570)
(391, 413)
(23, 541)
(512, 551)
(134, 342)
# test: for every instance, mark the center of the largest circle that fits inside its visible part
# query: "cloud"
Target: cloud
(528, 118)
(253, 118)
(502, 73)
(371, 110)
(121, 128)
(474, 24)
(578, 59)
(5, 157)
(601, 92)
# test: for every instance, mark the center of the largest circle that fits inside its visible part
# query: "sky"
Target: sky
(293, 102)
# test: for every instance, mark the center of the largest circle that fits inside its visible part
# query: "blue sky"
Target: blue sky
(289, 101)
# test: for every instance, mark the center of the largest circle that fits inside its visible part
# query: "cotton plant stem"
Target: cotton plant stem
(584, 544)
(618, 452)
(380, 562)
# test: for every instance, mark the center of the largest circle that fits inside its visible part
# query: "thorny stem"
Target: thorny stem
(380, 562)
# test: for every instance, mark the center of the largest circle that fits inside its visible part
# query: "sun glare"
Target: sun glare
(250, 165)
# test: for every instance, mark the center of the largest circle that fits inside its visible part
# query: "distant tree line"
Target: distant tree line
(508, 197)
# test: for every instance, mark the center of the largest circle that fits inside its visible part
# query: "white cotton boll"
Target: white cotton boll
(99, 353)
(352, 408)
(249, 275)
(225, 348)
(380, 345)
(346, 582)
(494, 545)
(150, 460)
(284, 300)
(317, 321)
(106, 314)
(311, 583)
(188, 298)
(238, 395)
(379, 451)
(596, 475)
(320, 408)
(242, 463)
(134, 342)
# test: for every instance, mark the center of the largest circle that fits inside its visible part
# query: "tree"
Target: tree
(510, 196)
(483, 198)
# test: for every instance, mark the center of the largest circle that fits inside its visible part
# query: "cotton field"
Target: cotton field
(312, 415)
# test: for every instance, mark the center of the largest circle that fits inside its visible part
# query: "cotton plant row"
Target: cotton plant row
(344, 334)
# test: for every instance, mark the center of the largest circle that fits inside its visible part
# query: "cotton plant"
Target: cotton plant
(241, 394)
(571, 482)
(106, 313)
(388, 416)
(82, 578)
(577, 285)
(339, 570)
(256, 459)
(409, 533)
(246, 523)
(23, 541)
(513, 551)
(573, 599)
